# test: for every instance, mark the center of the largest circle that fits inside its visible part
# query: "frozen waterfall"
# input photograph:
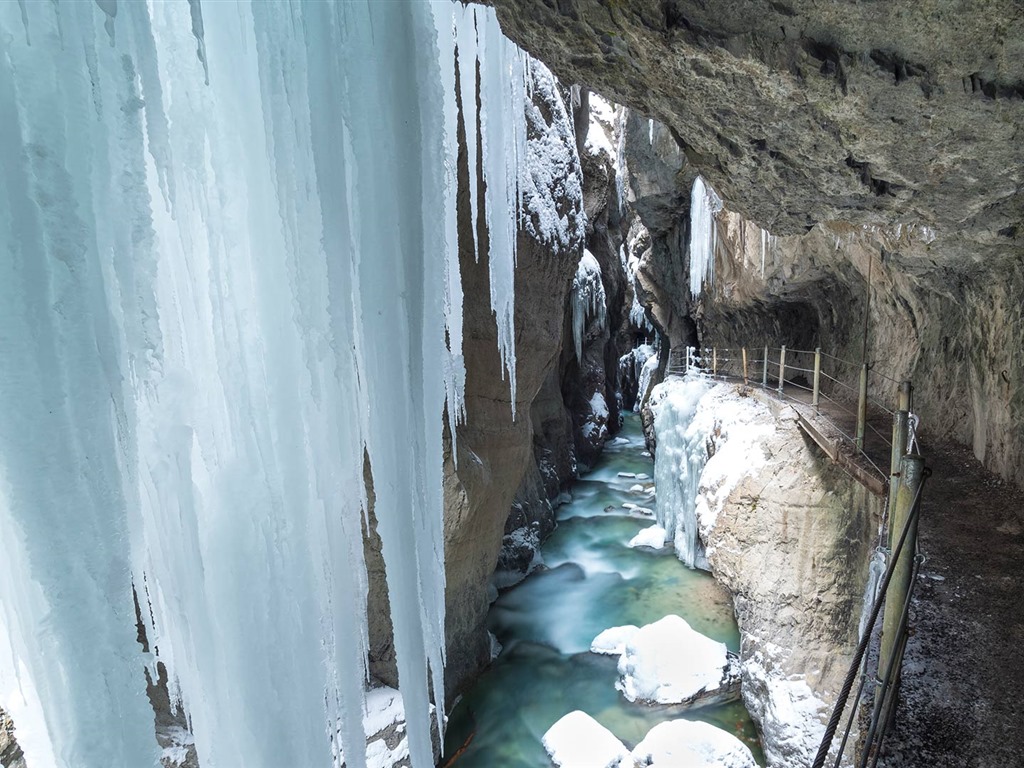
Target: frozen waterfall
(588, 300)
(213, 299)
(704, 204)
(680, 456)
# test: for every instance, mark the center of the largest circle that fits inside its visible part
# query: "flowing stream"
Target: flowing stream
(545, 624)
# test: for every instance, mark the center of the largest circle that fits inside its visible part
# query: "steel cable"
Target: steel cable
(844, 694)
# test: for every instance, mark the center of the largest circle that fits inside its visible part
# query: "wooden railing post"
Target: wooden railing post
(906, 492)
(764, 374)
(714, 361)
(900, 422)
(817, 376)
(862, 407)
(782, 367)
(744, 366)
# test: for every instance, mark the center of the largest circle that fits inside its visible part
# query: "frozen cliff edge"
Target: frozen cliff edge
(790, 536)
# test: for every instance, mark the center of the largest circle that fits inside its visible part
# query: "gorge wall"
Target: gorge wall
(855, 133)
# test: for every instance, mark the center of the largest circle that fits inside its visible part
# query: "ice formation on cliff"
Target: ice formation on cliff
(228, 267)
(704, 204)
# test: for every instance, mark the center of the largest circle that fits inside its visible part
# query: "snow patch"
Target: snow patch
(579, 741)
(668, 662)
(612, 641)
(693, 744)
(653, 537)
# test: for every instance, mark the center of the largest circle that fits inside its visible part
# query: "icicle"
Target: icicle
(196, 12)
(650, 131)
(767, 244)
(466, 39)
(447, 26)
(704, 204)
(502, 94)
(876, 569)
(109, 8)
(588, 299)
(24, 20)
(225, 320)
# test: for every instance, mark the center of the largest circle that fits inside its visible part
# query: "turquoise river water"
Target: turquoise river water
(545, 624)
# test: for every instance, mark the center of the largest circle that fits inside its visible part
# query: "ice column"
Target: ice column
(588, 299)
(704, 204)
(680, 457)
(215, 301)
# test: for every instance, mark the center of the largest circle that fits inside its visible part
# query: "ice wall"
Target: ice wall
(704, 204)
(228, 268)
(680, 456)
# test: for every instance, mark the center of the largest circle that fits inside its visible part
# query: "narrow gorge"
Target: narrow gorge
(510, 384)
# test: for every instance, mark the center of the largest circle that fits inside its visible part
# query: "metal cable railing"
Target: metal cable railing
(832, 395)
(904, 572)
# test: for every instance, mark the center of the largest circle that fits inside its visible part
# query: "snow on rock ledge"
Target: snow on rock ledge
(653, 537)
(578, 740)
(692, 744)
(612, 642)
(668, 662)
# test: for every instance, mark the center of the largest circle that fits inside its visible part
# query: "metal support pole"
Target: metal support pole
(714, 361)
(744, 366)
(817, 376)
(862, 407)
(896, 596)
(764, 375)
(900, 423)
(782, 367)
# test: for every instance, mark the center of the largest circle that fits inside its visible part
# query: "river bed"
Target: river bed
(545, 624)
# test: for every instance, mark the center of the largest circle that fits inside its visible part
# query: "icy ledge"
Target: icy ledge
(653, 669)
(578, 740)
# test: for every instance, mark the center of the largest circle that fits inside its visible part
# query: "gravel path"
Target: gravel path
(962, 698)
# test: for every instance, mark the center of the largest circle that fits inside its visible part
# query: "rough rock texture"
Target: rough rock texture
(903, 116)
(954, 332)
(792, 543)
(800, 112)
(10, 753)
(495, 451)
(570, 425)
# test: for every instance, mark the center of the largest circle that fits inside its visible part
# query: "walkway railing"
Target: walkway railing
(858, 412)
(816, 381)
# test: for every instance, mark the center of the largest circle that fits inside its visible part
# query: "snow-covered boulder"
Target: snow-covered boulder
(612, 641)
(668, 662)
(691, 744)
(579, 741)
(653, 537)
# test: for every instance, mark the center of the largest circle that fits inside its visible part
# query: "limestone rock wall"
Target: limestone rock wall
(10, 753)
(883, 133)
(954, 332)
(494, 451)
(801, 112)
(790, 535)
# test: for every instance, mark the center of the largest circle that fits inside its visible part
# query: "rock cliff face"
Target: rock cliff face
(856, 133)
(10, 753)
(495, 445)
(790, 535)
